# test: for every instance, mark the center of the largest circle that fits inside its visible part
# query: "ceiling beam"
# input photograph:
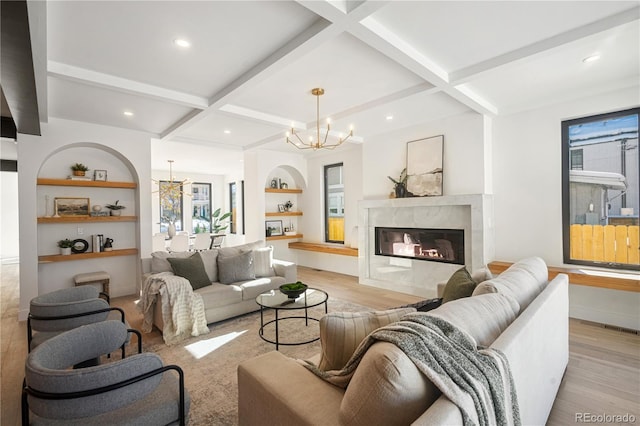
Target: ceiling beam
(123, 85)
(466, 74)
(17, 74)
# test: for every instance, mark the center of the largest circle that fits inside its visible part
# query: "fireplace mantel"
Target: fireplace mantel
(473, 213)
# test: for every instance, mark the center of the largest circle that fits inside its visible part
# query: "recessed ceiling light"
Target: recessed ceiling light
(389, 117)
(591, 58)
(181, 42)
(227, 132)
(128, 113)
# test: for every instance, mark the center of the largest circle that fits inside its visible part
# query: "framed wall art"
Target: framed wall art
(100, 175)
(424, 166)
(71, 206)
(273, 227)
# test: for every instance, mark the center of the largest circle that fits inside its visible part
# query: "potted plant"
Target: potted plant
(79, 169)
(218, 221)
(400, 184)
(65, 246)
(115, 208)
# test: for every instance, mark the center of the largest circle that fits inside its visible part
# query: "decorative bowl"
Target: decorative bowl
(293, 290)
(290, 233)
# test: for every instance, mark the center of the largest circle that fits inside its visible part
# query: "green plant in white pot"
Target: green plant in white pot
(115, 208)
(65, 246)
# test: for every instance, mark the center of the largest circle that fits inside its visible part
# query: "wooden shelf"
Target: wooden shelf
(86, 183)
(284, 237)
(325, 248)
(283, 214)
(284, 191)
(84, 219)
(89, 255)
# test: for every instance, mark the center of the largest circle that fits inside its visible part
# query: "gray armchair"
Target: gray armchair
(137, 390)
(53, 313)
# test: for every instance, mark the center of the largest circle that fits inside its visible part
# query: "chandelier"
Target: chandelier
(318, 144)
(170, 193)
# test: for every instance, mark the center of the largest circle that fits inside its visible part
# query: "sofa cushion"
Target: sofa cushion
(523, 280)
(342, 332)
(263, 262)
(483, 317)
(210, 261)
(192, 269)
(218, 295)
(252, 289)
(459, 285)
(159, 262)
(386, 389)
(232, 269)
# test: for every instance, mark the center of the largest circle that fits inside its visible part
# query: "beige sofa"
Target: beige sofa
(227, 300)
(518, 312)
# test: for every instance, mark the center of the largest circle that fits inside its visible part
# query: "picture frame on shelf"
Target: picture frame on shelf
(100, 175)
(273, 227)
(71, 206)
(281, 208)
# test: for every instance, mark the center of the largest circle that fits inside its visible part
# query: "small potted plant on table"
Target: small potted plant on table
(115, 208)
(79, 169)
(65, 246)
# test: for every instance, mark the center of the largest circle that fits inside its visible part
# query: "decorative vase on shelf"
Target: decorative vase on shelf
(65, 250)
(171, 230)
(401, 191)
(116, 212)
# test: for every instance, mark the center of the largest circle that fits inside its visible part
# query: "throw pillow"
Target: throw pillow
(425, 305)
(210, 261)
(263, 262)
(192, 269)
(342, 332)
(159, 262)
(232, 269)
(459, 285)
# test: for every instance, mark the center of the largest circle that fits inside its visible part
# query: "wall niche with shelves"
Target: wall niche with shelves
(283, 185)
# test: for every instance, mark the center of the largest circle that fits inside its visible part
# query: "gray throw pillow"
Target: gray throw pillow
(459, 285)
(192, 269)
(232, 269)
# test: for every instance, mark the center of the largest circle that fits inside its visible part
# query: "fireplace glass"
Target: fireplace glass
(435, 245)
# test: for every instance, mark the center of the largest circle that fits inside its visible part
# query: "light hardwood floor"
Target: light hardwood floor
(603, 376)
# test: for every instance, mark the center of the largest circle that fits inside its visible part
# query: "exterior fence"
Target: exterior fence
(608, 243)
(336, 228)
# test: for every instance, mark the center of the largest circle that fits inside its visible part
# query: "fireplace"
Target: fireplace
(429, 244)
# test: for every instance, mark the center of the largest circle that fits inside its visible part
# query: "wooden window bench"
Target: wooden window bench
(324, 248)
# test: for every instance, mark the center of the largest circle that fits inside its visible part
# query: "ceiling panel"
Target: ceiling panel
(74, 101)
(351, 73)
(560, 74)
(134, 39)
(195, 158)
(457, 34)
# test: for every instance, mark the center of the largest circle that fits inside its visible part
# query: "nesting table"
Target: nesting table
(279, 301)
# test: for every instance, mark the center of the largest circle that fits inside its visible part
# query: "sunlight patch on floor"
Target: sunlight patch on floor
(205, 347)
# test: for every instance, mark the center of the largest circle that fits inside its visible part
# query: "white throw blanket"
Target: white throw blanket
(182, 309)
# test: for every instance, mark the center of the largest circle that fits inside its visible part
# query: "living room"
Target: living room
(506, 145)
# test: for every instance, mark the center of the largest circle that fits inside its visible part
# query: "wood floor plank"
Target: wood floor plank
(603, 376)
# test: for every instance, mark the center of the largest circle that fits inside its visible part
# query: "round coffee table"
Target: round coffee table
(279, 301)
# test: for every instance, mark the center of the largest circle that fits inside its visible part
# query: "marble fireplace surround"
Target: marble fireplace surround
(472, 213)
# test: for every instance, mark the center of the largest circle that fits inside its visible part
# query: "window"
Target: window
(334, 203)
(232, 203)
(600, 190)
(201, 205)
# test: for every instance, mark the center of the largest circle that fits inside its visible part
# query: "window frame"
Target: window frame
(566, 202)
(195, 185)
(326, 200)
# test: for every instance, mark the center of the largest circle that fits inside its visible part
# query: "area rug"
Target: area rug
(210, 362)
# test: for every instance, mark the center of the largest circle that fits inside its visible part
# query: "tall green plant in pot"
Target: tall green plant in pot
(218, 221)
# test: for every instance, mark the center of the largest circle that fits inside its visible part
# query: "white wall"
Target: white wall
(9, 238)
(463, 162)
(34, 152)
(528, 197)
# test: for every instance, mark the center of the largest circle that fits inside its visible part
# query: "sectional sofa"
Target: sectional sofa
(518, 312)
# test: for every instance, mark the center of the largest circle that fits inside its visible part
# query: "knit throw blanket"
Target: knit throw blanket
(479, 382)
(182, 309)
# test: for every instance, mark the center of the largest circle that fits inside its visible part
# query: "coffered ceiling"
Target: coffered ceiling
(250, 67)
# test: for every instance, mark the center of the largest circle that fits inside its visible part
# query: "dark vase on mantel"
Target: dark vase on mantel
(401, 191)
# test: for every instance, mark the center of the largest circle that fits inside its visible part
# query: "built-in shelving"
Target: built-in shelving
(284, 237)
(284, 191)
(49, 258)
(85, 219)
(86, 183)
(283, 214)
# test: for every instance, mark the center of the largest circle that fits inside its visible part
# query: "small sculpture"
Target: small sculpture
(107, 244)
